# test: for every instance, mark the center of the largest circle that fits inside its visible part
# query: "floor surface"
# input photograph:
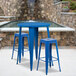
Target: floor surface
(9, 67)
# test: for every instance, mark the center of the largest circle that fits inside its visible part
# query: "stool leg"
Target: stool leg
(28, 42)
(17, 59)
(46, 56)
(23, 46)
(50, 52)
(39, 56)
(58, 57)
(13, 48)
(21, 49)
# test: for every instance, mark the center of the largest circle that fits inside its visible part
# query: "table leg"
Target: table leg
(48, 32)
(19, 46)
(36, 42)
(31, 46)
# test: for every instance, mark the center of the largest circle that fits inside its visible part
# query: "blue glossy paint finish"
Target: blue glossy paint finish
(33, 35)
(13, 47)
(23, 46)
(48, 53)
(36, 41)
(19, 46)
(46, 56)
(34, 24)
(22, 43)
(58, 56)
(39, 55)
(31, 46)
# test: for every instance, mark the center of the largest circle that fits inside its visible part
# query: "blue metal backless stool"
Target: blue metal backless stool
(23, 35)
(48, 53)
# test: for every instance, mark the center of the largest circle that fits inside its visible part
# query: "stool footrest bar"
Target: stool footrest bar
(25, 50)
(41, 58)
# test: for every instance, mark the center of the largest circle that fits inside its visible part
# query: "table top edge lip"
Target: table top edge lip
(39, 24)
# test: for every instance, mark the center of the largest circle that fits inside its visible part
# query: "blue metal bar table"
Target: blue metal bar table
(33, 34)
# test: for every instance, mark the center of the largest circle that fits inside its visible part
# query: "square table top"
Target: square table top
(34, 24)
